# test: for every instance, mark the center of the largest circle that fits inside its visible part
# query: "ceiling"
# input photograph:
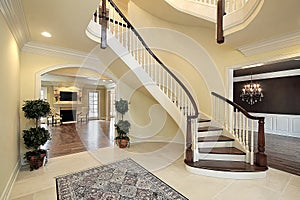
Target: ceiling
(277, 18)
(67, 20)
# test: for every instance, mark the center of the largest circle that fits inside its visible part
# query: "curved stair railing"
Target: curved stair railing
(240, 124)
(230, 5)
(120, 27)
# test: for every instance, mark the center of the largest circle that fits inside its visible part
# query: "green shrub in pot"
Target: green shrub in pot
(122, 126)
(36, 136)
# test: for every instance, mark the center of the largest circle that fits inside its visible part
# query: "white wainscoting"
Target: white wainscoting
(287, 125)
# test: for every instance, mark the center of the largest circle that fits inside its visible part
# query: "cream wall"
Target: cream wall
(150, 122)
(143, 108)
(31, 64)
(210, 55)
(9, 107)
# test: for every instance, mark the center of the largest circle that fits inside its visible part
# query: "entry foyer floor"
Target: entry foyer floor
(163, 159)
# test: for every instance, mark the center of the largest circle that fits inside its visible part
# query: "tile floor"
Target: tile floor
(166, 162)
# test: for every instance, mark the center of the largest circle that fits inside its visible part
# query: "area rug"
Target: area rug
(121, 180)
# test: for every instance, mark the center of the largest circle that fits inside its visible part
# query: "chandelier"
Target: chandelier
(251, 93)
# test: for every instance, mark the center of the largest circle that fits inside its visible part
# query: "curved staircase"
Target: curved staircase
(223, 146)
(218, 156)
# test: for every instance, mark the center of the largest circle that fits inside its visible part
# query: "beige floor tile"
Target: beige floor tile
(295, 181)
(47, 194)
(291, 193)
(166, 165)
(246, 190)
(275, 180)
(26, 197)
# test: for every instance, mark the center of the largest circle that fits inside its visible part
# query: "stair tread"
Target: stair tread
(209, 128)
(203, 120)
(232, 166)
(220, 138)
(222, 150)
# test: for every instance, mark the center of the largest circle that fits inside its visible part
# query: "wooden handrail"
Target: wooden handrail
(190, 116)
(129, 25)
(238, 107)
(261, 157)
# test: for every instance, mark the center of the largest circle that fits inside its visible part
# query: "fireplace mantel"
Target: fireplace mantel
(67, 104)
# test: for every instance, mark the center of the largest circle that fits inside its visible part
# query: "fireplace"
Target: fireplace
(68, 115)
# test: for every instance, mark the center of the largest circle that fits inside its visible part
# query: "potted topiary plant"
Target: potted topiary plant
(122, 126)
(37, 136)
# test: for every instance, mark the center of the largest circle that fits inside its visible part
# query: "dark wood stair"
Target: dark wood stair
(209, 128)
(222, 150)
(220, 138)
(231, 166)
(203, 120)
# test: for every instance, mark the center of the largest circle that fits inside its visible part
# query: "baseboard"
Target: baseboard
(12, 179)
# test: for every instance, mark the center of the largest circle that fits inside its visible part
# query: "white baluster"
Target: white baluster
(151, 68)
(237, 124)
(171, 89)
(240, 129)
(147, 64)
(243, 130)
(252, 144)
(168, 85)
(160, 76)
(215, 107)
(247, 141)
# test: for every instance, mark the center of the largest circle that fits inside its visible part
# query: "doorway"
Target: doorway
(93, 104)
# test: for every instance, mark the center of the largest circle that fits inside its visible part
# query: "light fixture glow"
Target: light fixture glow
(46, 34)
(251, 93)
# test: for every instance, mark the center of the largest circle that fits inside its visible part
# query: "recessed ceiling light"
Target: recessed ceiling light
(93, 78)
(254, 65)
(46, 34)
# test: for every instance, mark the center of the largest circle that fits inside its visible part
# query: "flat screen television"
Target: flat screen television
(68, 96)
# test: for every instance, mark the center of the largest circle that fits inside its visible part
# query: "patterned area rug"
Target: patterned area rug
(122, 180)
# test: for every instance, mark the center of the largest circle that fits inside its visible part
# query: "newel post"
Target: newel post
(188, 150)
(261, 157)
(103, 26)
(220, 14)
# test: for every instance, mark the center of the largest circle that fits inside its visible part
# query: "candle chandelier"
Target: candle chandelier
(251, 93)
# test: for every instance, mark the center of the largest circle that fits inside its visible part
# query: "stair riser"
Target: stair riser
(204, 124)
(209, 133)
(215, 144)
(226, 157)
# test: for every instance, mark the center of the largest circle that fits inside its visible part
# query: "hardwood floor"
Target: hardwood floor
(283, 152)
(77, 137)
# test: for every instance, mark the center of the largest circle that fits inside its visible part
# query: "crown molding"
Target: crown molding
(272, 44)
(269, 75)
(56, 51)
(13, 13)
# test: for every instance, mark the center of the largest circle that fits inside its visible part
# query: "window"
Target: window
(112, 103)
(93, 104)
(43, 93)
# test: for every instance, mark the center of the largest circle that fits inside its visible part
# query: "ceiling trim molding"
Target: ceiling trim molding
(269, 75)
(272, 44)
(52, 50)
(13, 13)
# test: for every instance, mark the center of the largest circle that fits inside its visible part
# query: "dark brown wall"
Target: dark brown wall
(281, 96)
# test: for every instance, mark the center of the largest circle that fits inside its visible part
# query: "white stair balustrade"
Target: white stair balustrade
(132, 49)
